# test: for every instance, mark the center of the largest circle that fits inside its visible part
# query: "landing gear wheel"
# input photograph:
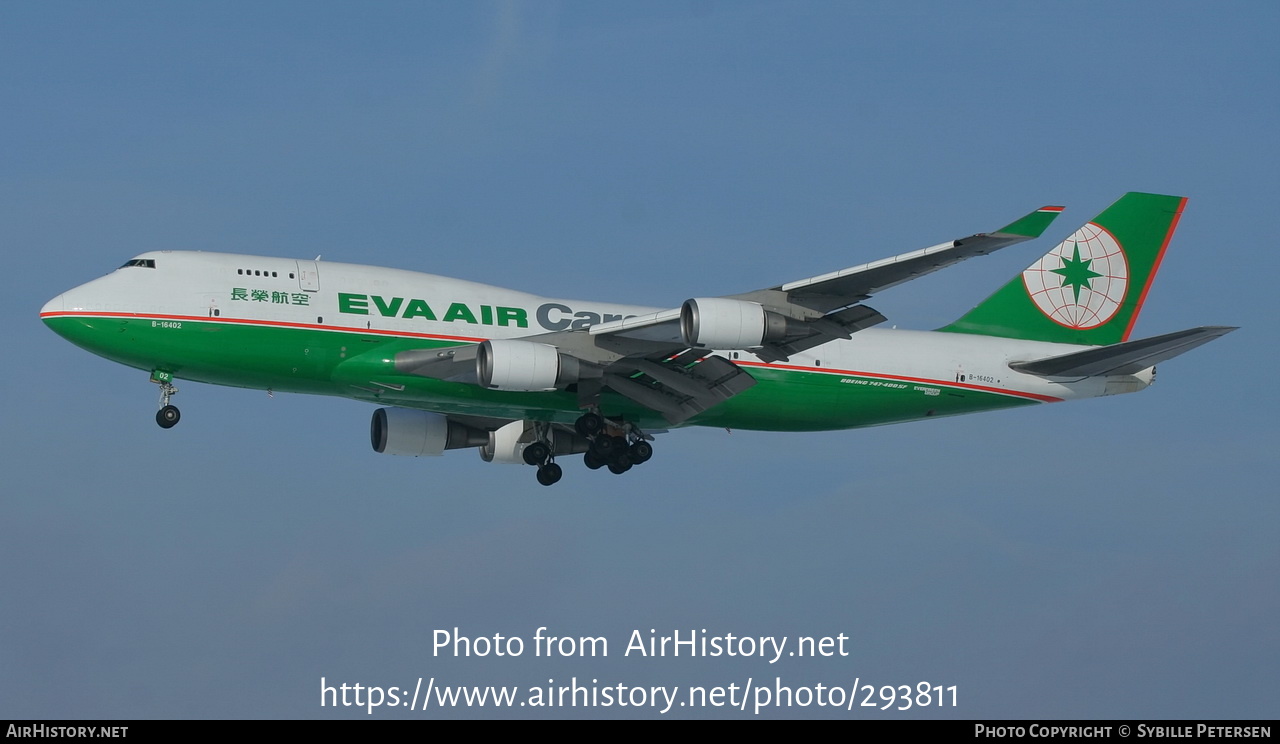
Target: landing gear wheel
(536, 453)
(168, 416)
(549, 474)
(589, 424)
(605, 447)
(619, 463)
(591, 461)
(640, 452)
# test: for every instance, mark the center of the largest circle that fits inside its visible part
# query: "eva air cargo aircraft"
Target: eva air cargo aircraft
(529, 379)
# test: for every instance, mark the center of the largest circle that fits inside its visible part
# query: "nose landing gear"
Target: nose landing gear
(168, 415)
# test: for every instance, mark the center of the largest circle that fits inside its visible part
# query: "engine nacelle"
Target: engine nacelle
(504, 445)
(720, 323)
(401, 431)
(511, 364)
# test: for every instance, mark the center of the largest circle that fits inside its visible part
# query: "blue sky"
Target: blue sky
(1110, 558)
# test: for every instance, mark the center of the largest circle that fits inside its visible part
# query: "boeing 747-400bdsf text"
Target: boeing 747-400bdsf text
(529, 379)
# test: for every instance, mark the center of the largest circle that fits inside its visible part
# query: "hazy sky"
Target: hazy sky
(1111, 558)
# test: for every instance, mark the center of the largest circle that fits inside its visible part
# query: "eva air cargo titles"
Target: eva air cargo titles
(552, 316)
(534, 380)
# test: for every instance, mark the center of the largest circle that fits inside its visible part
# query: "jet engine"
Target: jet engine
(720, 323)
(510, 364)
(401, 431)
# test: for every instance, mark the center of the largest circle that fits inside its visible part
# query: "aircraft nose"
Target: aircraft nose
(52, 306)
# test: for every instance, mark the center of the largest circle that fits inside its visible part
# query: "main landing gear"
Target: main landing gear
(539, 455)
(617, 447)
(168, 415)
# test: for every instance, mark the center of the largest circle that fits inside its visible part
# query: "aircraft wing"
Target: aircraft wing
(664, 361)
(665, 376)
(837, 289)
(826, 307)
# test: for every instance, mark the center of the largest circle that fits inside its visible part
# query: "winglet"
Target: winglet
(1034, 224)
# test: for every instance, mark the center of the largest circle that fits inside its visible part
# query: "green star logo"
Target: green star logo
(1076, 273)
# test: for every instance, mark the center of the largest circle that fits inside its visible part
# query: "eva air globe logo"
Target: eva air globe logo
(1081, 282)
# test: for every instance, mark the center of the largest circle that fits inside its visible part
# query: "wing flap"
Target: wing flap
(678, 387)
(1126, 358)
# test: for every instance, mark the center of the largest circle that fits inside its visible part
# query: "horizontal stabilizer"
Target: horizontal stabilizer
(1125, 358)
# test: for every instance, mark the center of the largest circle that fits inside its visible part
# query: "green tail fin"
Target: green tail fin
(1090, 288)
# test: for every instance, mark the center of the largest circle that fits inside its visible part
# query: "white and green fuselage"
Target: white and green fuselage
(335, 329)
(525, 378)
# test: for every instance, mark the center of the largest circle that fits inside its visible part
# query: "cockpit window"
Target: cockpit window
(146, 263)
